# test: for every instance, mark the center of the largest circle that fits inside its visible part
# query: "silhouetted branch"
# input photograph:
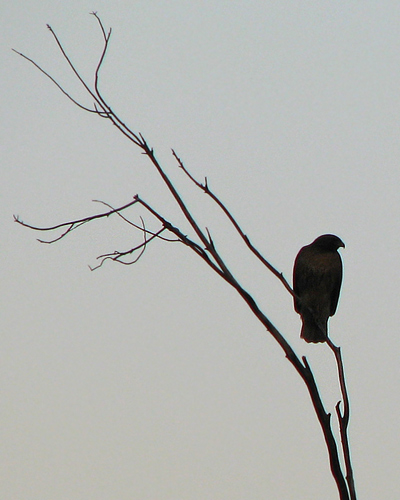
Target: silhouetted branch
(106, 41)
(71, 225)
(117, 211)
(343, 419)
(117, 256)
(200, 251)
(56, 83)
(76, 72)
(204, 246)
(205, 187)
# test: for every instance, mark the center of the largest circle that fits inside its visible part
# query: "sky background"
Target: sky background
(155, 381)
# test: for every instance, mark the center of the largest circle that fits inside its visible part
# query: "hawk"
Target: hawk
(317, 277)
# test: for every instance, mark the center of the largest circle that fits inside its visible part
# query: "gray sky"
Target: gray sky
(154, 381)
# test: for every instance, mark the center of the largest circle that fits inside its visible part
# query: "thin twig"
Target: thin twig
(56, 83)
(136, 226)
(106, 37)
(117, 255)
(74, 223)
(99, 64)
(205, 187)
(72, 66)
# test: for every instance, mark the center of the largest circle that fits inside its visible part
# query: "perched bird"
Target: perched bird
(317, 277)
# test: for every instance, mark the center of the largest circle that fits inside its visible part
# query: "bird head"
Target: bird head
(328, 242)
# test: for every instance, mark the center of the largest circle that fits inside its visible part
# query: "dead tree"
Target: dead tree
(201, 242)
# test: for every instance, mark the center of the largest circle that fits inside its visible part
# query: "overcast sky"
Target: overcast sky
(154, 381)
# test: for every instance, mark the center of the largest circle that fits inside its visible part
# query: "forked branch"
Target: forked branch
(343, 419)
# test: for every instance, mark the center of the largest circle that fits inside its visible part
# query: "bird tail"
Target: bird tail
(312, 331)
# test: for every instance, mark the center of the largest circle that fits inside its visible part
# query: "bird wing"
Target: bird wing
(317, 277)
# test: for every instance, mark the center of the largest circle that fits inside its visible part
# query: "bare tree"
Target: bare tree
(202, 243)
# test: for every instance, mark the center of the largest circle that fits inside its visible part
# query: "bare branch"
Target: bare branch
(77, 74)
(106, 37)
(206, 249)
(343, 419)
(56, 83)
(150, 153)
(206, 189)
(182, 237)
(117, 256)
(96, 74)
(71, 225)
